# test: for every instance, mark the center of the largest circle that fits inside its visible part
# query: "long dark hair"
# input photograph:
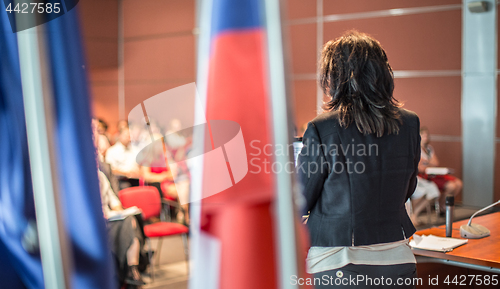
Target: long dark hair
(357, 76)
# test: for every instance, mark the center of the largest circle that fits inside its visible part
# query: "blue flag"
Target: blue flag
(93, 266)
(18, 268)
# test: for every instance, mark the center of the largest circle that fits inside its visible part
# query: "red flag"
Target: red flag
(239, 217)
(236, 247)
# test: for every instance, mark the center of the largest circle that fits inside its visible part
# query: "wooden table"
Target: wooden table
(480, 254)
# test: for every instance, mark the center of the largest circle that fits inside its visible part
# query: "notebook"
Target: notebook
(120, 215)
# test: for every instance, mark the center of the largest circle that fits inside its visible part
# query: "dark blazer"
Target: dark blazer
(356, 185)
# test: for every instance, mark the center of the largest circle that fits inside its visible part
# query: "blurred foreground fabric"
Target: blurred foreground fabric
(92, 263)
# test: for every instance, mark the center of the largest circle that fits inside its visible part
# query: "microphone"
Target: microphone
(475, 231)
(450, 202)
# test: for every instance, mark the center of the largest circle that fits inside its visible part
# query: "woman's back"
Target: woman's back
(365, 181)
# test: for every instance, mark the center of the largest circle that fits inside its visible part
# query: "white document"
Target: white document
(120, 215)
(437, 171)
(433, 243)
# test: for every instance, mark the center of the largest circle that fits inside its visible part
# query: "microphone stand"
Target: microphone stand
(475, 231)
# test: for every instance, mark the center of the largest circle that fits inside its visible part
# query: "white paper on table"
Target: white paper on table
(433, 243)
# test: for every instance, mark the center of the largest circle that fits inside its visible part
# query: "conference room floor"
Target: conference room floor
(172, 271)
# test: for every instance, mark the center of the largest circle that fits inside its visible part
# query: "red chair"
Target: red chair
(147, 198)
(168, 200)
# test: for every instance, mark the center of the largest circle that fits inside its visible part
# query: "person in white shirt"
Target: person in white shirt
(122, 158)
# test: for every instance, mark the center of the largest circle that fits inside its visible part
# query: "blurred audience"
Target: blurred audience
(125, 236)
(447, 184)
(134, 160)
(155, 170)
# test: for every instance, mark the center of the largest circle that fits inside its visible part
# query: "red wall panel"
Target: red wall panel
(157, 17)
(102, 53)
(303, 48)
(341, 7)
(136, 93)
(496, 193)
(437, 101)
(430, 41)
(99, 18)
(301, 9)
(104, 75)
(105, 103)
(305, 101)
(498, 110)
(163, 58)
(100, 31)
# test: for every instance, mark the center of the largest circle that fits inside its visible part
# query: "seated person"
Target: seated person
(425, 192)
(122, 158)
(106, 169)
(119, 127)
(448, 184)
(155, 176)
(125, 236)
(103, 166)
(103, 141)
(156, 172)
